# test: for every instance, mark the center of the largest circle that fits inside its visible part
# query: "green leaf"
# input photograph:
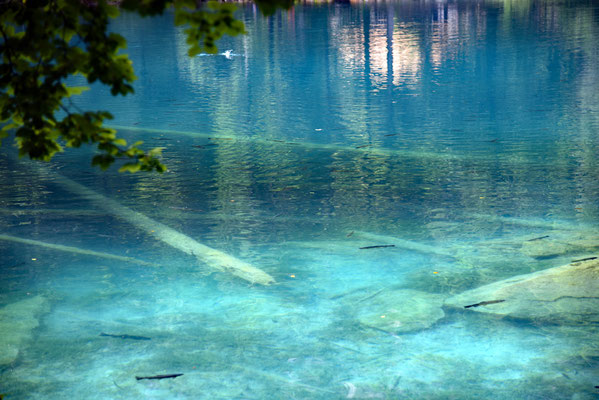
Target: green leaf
(156, 151)
(130, 167)
(43, 43)
(76, 90)
(268, 7)
(112, 11)
(103, 161)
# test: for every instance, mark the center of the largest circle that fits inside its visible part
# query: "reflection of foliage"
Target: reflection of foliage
(206, 27)
(45, 42)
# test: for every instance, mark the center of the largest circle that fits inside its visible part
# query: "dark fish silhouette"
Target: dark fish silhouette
(484, 303)
(203, 146)
(585, 259)
(377, 246)
(538, 238)
(158, 376)
(132, 337)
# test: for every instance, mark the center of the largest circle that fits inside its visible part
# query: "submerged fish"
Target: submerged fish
(132, 337)
(158, 376)
(484, 303)
(538, 238)
(584, 259)
(377, 246)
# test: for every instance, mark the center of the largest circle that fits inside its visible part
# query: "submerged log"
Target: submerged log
(18, 211)
(76, 250)
(529, 222)
(215, 259)
(380, 151)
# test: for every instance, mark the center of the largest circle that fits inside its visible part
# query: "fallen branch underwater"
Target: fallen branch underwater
(214, 258)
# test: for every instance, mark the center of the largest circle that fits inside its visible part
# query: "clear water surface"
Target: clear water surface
(455, 130)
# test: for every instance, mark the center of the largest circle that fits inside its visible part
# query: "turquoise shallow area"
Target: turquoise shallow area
(456, 131)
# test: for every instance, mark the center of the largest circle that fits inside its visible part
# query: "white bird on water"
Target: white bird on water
(227, 53)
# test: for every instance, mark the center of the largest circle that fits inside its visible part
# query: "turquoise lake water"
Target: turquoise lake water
(456, 131)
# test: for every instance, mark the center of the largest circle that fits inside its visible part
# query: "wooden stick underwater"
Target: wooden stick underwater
(381, 151)
(16, 211)
(76, 250)
(530, 222)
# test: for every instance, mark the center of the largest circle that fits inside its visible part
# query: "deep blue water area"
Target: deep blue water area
(465, 134)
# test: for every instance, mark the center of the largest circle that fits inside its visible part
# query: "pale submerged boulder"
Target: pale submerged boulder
(548, 246)
(17, 322)
(565, 294)
(401, 311)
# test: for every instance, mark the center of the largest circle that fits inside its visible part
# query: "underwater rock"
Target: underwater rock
(548, 246)
(17, 321)
(564, 294)
(400, 311)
